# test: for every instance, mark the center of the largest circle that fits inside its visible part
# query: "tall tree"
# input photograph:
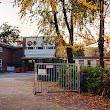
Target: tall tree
(101, 33)
(102, 11)
(66, 13)
(62, 13)
(9, 34)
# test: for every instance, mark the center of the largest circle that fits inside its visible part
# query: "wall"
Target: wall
(5, 55)
(10, 57)
(85, 62)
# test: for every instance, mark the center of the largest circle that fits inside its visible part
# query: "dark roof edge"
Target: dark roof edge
(92, 57)
(8, 45)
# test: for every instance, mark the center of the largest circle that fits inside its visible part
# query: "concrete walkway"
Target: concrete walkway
(16, 93)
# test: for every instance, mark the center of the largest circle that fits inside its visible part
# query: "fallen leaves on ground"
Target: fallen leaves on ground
(69, 97)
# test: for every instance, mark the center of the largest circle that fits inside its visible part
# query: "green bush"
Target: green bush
(67, 78)
(96, 80)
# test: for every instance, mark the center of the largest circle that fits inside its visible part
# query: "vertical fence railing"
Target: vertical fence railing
(56, 77)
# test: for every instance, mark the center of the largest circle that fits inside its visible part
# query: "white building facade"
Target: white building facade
(85, 61)
(38, 50)
(38, 47)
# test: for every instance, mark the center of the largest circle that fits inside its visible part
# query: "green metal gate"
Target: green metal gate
(56, 77)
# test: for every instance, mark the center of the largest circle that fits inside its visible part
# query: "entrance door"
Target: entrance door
(31, 67)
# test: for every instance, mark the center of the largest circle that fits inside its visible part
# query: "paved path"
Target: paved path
(16, 93)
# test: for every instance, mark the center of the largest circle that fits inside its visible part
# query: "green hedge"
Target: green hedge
(67, 78)
(96, 80)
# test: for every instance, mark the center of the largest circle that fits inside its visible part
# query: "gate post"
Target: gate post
(79, 77)
(35, 77)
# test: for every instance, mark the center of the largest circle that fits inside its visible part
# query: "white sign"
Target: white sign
(49, 66)
(10, 68)
(42, 72)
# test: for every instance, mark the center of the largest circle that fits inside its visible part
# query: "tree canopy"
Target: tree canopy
(9, 34)
(60, 17)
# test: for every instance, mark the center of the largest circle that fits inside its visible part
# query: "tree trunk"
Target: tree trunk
(70, 55)
(70, 30)
(69, 50)
(56, 24)
(101, 34)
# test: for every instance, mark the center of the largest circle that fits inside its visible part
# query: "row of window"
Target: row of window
(0, 62)
(89, 62)
(1, 49)
(40, 48)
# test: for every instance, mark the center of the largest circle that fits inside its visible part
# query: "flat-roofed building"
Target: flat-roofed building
(10, 56)
(38, 49)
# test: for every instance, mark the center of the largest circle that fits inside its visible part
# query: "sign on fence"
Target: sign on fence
(49, 66)
(42, 72)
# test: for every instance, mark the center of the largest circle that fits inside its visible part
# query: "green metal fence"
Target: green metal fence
(56, 77)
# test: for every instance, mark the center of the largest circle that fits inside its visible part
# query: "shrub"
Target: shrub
(67, 78)
(96, 80)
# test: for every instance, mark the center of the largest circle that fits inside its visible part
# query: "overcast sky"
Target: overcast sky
(10, 14)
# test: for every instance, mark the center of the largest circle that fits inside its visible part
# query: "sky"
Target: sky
(10, 14)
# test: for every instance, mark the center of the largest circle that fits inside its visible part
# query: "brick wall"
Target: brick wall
(11, 57)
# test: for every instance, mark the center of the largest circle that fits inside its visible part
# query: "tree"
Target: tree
(101, 33)
(59, 14)
(102, 10)
(77, 50)
(66, 14)
(91, 52)
(9, 34)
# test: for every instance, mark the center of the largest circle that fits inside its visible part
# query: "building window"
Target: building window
(81, 62)
(1, 49)
(0, 62)
(89, 62)
(50, 47)
(30, 47)
(40, 47)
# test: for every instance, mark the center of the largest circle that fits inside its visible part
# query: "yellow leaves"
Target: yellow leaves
(87, 4)
(91, 51)
(28, 3)
(80, 101)
(61, 49)
(75, 47)
(90, 12)
(106, 38)
(25, 4)
(82, 36)
(60, 53)
(58, 39)
(53, 5)
(88, 40)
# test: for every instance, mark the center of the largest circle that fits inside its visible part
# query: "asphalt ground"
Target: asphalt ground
(16, 93)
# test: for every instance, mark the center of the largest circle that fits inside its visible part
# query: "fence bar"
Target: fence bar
(79, 76)
(56, 77)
